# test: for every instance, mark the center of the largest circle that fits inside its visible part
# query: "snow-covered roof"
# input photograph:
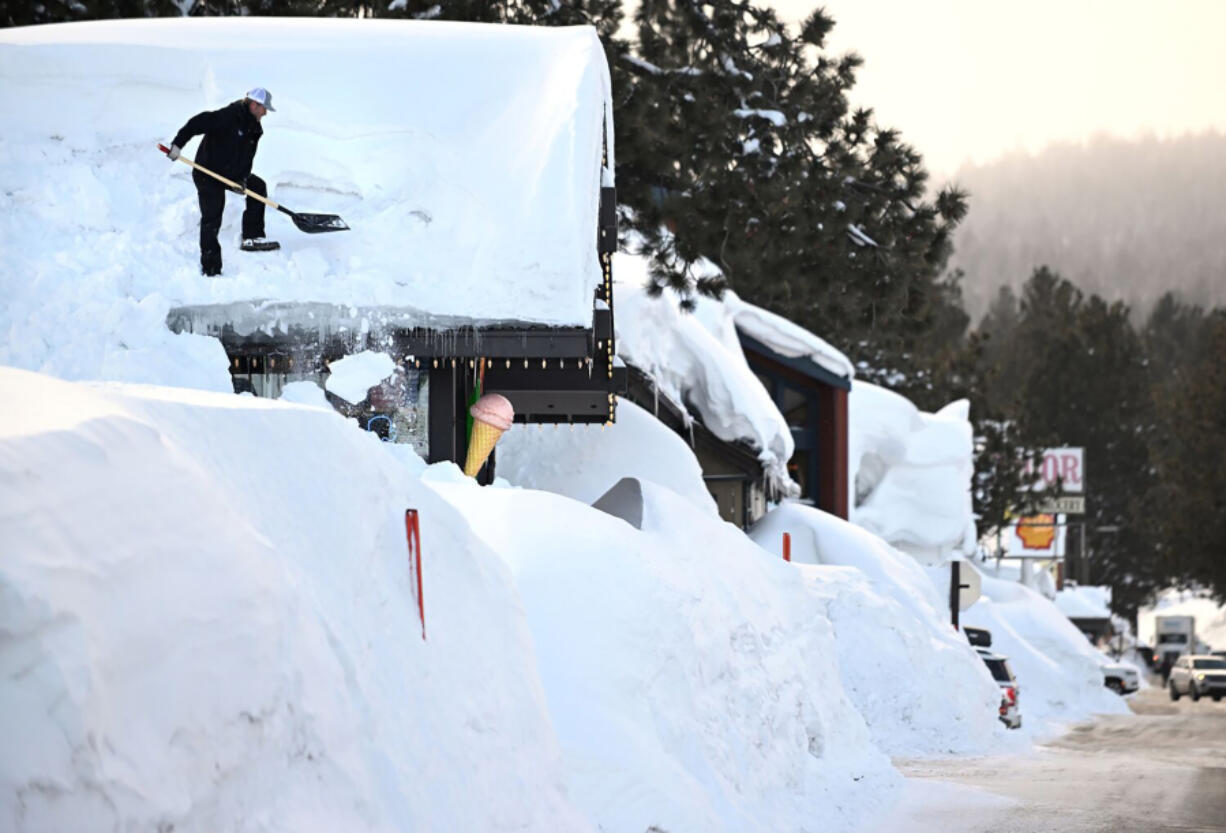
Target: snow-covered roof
(697, 362)
(465, 157)
(785, 337)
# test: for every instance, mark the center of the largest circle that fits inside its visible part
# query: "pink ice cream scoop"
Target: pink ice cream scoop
(494, 409)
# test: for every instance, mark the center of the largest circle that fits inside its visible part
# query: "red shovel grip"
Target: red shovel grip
(163, 148)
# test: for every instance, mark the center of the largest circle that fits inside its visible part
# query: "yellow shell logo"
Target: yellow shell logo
(1037, 531)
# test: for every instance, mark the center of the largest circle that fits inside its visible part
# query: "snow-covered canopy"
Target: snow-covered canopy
(697, 362)
(785, 337)
(465, 157)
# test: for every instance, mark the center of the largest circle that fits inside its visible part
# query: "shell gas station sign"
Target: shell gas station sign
(1060, 472)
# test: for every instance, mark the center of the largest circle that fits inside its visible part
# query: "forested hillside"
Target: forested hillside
(1126, 220)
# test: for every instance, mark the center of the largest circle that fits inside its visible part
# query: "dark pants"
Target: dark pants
(212, 196)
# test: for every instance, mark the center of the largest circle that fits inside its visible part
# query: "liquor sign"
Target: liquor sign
(1062, 468)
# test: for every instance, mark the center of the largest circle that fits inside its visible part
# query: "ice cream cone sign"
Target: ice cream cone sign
(492, 415)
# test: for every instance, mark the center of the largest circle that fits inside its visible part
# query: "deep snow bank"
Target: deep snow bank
(910, 473)
(692, 678)
(585, 462)
(207, 625)
(473, 196)
(916, 681)
(1059, 672)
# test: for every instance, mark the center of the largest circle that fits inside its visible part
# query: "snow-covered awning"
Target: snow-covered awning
(786, 338)
(697, 362)
(466, 158)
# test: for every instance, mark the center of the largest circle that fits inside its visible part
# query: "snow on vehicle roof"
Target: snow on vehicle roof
(465, 157)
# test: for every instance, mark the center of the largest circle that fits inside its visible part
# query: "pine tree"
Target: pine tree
(737, 144)
(26, 13)
(1187, 350)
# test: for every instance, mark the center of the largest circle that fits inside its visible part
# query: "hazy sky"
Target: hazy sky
(972, 79)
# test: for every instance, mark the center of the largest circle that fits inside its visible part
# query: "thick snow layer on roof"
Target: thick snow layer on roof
(911, 472)
(1059, 673)
(466, 159)
(1084, 602)
(891, 623)
(785, 337)
(697, 361)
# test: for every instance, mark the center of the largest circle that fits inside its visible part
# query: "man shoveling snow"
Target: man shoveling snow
(231, 136)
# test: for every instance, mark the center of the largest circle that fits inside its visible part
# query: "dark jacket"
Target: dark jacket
(231, 135)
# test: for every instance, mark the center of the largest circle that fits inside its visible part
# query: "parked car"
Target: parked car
(1198, 674)
(1010, 712)
(1120, 678)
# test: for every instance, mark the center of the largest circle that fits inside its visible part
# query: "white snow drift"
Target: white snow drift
(208, 625)
(911, 473)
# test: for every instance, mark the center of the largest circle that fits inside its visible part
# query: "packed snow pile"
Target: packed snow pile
(916, 681)
(473, 197)
(1089, 602)
(1059, 672)
(209, 625)
(584, 462)
(694, 680)
(911, 473)
(1210, 616)
(698, 363)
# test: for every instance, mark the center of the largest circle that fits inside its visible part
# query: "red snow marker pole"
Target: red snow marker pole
(412, 533)
(787, 546)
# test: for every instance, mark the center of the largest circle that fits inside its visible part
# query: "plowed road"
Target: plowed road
(1162, 769)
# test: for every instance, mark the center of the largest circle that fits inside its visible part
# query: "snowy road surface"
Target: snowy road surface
(1163, 769)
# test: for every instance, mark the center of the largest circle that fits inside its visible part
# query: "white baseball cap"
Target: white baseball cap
(262, 96)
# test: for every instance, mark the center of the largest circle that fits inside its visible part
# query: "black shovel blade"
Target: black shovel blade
(319, 223)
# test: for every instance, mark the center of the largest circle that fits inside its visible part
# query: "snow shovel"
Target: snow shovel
(310, 223)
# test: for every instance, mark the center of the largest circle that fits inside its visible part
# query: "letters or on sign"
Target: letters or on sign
(1062, 468)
